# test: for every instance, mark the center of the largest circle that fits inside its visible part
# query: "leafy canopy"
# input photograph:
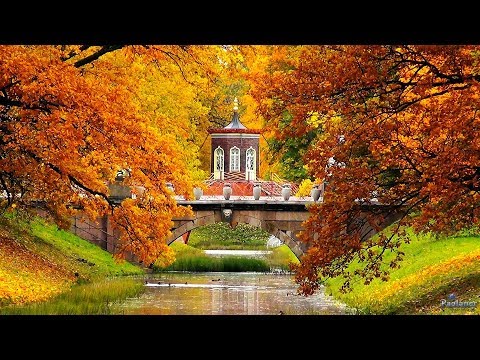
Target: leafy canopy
(408, 117)
(71, 117)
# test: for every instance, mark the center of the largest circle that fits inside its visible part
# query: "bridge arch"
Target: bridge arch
(285, 229)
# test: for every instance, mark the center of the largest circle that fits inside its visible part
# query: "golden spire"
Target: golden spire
(235, 104)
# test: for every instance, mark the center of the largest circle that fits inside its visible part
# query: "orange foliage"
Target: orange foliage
(409, 117)
(69, 120)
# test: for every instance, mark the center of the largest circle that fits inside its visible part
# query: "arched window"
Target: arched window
(250, 164)
(235, 159)
(218, 162)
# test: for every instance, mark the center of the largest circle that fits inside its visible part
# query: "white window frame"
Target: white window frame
(218, 163)
(234, 159)
(250, 173)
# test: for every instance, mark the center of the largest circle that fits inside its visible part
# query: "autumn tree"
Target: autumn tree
(173, 95)
(281, 154)
(227, 86)
(289, 153)
(70, 121)
(399, 125)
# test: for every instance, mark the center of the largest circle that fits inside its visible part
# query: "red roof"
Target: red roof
(240, 188)
(245, 188)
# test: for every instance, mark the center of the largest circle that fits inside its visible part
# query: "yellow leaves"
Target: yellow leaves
(250, 118)
(314, 119)
(304, 188)
(16, 289)
(144, 225)
(25, 277)
(335, 119)
(166, 257)
(425, 275)
(407, 141)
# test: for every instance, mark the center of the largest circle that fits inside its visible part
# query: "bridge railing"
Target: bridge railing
(249, 199)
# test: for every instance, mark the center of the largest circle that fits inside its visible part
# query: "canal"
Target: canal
(215, 293)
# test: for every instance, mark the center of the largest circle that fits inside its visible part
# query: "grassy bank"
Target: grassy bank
(280, 257)
(222, 236)
(433, 269)
(189, 258)
(39, 262)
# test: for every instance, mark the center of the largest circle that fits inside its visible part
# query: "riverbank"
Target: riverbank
(433, 272)
(189, 258)
(39, 262)
(44, 270)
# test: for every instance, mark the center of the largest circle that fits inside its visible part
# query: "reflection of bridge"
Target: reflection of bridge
(278, 217)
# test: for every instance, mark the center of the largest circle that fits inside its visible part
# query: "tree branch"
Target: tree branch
(70, 177)
(104, 50)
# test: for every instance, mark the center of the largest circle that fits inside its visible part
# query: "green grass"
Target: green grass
(432, 269)
(91, 261)
(98, 298)
(182, 250)
(220, 264)
(222, 236)
(51, 261)
(189, 258)
(280, 257)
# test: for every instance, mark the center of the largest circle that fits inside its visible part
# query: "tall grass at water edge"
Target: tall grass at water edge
(189, 258)
(88, 299)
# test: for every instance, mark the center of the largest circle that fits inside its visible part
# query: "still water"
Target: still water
(227, 294)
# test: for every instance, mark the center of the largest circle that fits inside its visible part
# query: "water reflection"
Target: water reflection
(227, 294)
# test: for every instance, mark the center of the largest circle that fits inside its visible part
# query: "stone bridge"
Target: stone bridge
(280, 218)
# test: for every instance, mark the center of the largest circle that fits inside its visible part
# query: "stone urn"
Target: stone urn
(257, 191)
(315, 192)
(286, 191)
(227, 191)
(197, 192)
